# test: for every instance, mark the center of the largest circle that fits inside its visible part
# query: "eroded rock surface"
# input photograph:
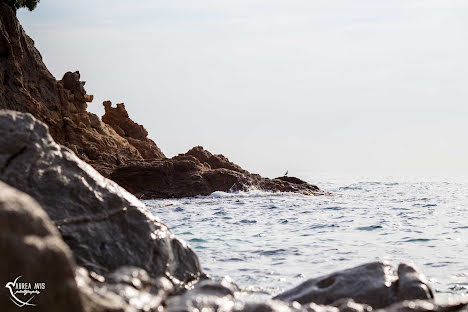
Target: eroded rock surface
(198, 172)
(116, 146)
(377, 284)
(117, 117)
(28, 86)
(104, 225)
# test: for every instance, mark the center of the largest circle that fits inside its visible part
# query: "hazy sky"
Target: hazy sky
(362, 86)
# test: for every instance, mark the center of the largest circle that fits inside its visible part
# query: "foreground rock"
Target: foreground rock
(198, 172)
(377, 284)
(131, 262)
(105, 226)
(29, 244)
(33, 252)
(222, 296)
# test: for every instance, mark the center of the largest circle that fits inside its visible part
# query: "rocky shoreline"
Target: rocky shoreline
(95, 246)
(116, 146)
(98, 248)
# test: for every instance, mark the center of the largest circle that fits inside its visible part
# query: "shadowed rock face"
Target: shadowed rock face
(377, 284)
(29, 244)
(105, 226)
(197, 172)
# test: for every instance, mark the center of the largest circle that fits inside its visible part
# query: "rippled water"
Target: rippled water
(270, 242)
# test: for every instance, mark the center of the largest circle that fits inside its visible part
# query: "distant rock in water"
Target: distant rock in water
(197, 172)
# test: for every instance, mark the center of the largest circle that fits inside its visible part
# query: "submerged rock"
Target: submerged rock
(377, 284)
(104, 225)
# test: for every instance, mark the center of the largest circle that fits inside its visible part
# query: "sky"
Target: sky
(309, 86)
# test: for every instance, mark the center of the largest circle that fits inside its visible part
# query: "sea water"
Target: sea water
(269, 242)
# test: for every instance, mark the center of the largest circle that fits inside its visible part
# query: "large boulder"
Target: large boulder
(105, 226)
(377, 284)
(32, 252)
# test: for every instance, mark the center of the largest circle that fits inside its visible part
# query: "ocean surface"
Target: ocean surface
(269, 242)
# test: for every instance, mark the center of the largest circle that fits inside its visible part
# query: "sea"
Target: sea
(270, 242)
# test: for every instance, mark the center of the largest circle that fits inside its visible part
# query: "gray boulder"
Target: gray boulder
(32, 252)
(105, 226)
(377, 284)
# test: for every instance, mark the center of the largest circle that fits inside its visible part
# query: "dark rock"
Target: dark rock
(32, 249)
(105, 226)
(197, 172)
(376, 284)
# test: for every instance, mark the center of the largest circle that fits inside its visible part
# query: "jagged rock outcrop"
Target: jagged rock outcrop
(377, 284)
(117, 118)
(27, 86)
(105, 226)
(197, 172)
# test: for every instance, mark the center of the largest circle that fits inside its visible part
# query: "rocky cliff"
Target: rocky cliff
(26, 85)
(117, 146)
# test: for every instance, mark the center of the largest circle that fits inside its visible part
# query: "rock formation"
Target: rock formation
(376, 284)
(197, 172)
(105, 226)
(116, 146)
(27, 86)
(134, 133)
(126, 258)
